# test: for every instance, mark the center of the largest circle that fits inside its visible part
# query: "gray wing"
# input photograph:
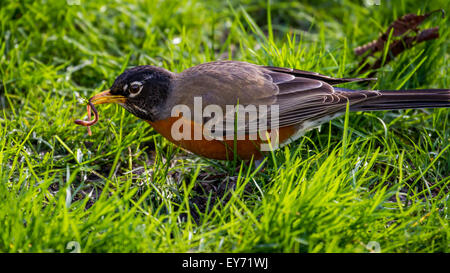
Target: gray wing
(315, 75)
(311, 97)
(299, 95)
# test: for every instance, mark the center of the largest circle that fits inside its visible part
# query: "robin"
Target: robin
(287, 102)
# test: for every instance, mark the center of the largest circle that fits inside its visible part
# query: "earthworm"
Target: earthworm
(89, 122)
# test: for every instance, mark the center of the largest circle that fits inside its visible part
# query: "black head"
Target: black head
(145, 88)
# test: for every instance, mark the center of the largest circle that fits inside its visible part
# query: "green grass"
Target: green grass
(380, 177)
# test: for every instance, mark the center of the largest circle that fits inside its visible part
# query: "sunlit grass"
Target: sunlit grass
(364, 177)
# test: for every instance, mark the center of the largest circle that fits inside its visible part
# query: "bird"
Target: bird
(286, 102)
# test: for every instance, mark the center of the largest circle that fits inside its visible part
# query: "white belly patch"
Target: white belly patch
(307, 126)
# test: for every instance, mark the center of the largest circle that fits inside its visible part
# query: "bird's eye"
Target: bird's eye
(135, 88)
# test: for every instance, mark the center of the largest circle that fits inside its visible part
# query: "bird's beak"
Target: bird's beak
(107, 97)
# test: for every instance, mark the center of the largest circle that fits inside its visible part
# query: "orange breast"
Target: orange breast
(218, 149)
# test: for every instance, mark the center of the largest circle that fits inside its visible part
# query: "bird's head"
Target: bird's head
(140, 90)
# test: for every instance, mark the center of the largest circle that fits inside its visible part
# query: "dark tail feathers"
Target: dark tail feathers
(405, 99)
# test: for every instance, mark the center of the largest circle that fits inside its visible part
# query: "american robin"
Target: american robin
(297, 101)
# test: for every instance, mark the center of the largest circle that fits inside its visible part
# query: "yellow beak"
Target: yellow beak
(107, 97)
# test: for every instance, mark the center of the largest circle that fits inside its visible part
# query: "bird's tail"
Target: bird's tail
(405, 99)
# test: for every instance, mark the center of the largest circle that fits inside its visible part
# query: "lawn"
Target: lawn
(365, 182)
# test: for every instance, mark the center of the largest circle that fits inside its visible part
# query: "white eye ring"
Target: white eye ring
(134, 85)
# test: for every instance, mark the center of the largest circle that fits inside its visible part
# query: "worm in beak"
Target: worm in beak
(100, 98)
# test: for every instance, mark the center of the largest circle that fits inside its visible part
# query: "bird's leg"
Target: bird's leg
(260, 163)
